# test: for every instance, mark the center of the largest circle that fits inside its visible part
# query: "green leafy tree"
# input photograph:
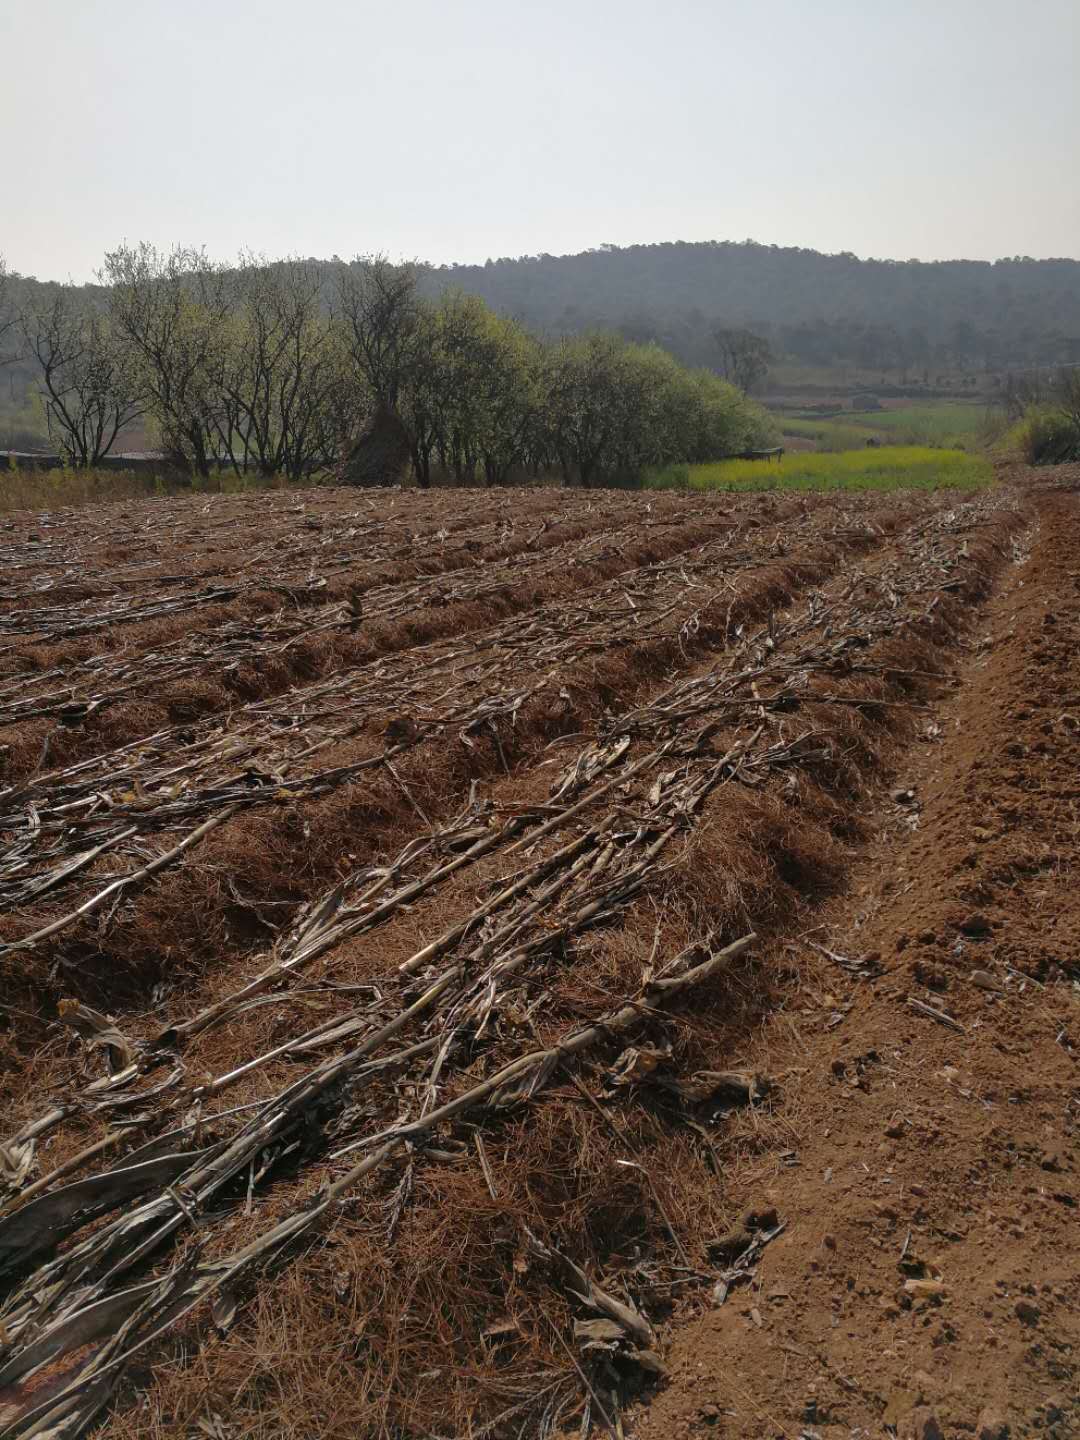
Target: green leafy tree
(481, 384)
(582, 381)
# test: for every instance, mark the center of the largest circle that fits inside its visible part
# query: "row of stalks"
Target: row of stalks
(100, 830)
(472, 1052)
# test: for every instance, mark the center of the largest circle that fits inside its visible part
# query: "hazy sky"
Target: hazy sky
(475, 128)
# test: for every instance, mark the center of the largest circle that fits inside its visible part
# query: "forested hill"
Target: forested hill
(814, 307)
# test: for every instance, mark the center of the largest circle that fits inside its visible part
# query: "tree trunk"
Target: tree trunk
(421, 460)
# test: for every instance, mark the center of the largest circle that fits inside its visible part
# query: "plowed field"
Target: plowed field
(442, 933)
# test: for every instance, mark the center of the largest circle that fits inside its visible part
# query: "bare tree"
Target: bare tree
(275, 370)
(379, 326)
(1020, 392)
(88, 386)
(380, 314)
(1066, 393)
(1047, 402)
(743, 358)
(172, 309)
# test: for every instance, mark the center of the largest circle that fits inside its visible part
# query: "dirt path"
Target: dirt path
(928, 1173)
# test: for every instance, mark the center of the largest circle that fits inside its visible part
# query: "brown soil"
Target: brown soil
(921, 834)
(903, 1148)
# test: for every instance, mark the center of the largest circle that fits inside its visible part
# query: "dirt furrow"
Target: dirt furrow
(74, 710)
(302, 550)
(283, 849)
(926, 1276)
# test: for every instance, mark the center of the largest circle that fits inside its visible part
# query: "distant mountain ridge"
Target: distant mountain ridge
(812, 304)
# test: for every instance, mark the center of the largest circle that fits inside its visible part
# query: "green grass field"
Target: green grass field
(828, 434)
(955, 426)
(897, 467)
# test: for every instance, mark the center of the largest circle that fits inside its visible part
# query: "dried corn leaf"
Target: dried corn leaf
(98, 1031)
(16, 1159)
(638, 1063)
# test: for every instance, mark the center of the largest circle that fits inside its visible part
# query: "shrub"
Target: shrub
(1046, 437)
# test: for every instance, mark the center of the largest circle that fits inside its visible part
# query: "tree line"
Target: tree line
(906, 352)
(293, 368)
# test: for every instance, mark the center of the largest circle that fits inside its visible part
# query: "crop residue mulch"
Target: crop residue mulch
(928, 1273)
(641, 970)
